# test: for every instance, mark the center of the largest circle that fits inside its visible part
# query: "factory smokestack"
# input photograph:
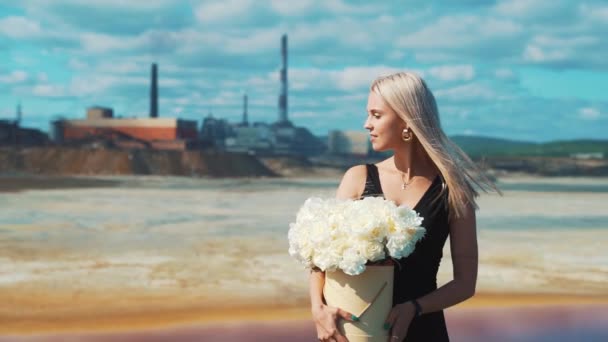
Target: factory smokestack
(245, 121)
(283, 94)
(154, 93)
(19, 114)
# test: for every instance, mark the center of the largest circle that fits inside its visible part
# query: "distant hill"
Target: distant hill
(477, 146)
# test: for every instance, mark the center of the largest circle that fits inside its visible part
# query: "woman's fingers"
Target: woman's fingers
(339, 337)
(347, 315)
(397, 325)
(327, 324)
(394, 338)
(390, 319)
(322, 334)
(335, 337)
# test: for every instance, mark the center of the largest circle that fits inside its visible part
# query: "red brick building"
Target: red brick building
(162, 133)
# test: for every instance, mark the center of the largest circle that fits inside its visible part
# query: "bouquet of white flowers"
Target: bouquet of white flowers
(335, 234)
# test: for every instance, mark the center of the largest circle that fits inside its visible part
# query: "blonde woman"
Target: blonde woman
(430, 174)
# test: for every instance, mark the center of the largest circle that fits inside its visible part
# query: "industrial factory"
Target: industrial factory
(101, 128)
(12, 134)
(278, 138)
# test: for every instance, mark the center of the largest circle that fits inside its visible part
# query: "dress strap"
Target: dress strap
(372, 175)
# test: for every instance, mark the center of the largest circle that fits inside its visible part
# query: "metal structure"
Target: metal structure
(283, 92)
(154, 92)
(245, 119)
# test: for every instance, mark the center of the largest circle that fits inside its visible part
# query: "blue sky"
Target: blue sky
(533, 70)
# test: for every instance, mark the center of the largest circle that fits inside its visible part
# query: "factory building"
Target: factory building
(147, 129)
(100, 113)
(152, 132)
(354, 143)
(215, 131)
(256, 139)
(12, 134)
(279, 138)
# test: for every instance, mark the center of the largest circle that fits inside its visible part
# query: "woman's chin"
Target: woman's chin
(379, 148)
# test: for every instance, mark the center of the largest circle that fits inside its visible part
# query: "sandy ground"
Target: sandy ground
(32, 182)
(110, 314)
(70, 312)
(485, 318)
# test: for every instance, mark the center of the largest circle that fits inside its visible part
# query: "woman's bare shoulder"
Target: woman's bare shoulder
(353, 183)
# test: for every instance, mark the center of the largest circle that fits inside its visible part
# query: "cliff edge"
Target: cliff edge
(100, 161)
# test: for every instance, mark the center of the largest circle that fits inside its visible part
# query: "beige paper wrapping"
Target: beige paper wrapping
(354, 293)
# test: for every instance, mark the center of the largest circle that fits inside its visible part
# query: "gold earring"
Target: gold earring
(406, 135)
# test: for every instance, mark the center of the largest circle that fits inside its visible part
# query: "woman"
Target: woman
(430, 174)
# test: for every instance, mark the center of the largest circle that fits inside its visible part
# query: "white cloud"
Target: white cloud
(468, 92)
(218, 11)
(177, 110)
(525, 8)
(164, 42)
(460, 31)
(42, 77)
(87, 86)
(77, 64)
(347, 80)
(504, 74)
(396, 55)
(589, 113)
(256, 41)
(99, 43)
(339, 7)
(464, 72)
(121, 68)
(49, 90)
(597, 12)
(342, 8)
(355, 78)
(291, 8)
(347, 98)
(460, 112)
(148, 4)
(19, 27)
(17, 76)
(545, 48)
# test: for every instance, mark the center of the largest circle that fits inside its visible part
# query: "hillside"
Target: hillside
(477, 146)
(73, 161)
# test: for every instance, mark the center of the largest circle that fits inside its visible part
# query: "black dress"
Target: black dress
(416, 274)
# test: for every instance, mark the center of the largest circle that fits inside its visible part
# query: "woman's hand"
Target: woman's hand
(399, 320)
(325, 318)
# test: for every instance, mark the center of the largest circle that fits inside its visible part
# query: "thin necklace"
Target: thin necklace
(404, 183)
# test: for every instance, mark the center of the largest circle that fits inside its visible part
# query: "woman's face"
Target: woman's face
(383, 124)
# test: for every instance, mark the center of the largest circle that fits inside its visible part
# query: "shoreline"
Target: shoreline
(11, 183)
(149, 318)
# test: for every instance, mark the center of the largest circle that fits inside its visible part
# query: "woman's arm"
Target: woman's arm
(316, 281)
(463, 246)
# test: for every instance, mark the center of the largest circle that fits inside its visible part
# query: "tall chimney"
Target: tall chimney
(283, 93)
(154, 93)
(19, 114)
(245, 122)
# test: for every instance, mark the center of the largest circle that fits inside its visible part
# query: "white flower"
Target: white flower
(346, 234)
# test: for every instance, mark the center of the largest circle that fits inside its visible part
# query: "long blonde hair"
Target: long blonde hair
(408, 95)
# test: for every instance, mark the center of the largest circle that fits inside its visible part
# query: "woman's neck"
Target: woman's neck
(411, 160)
